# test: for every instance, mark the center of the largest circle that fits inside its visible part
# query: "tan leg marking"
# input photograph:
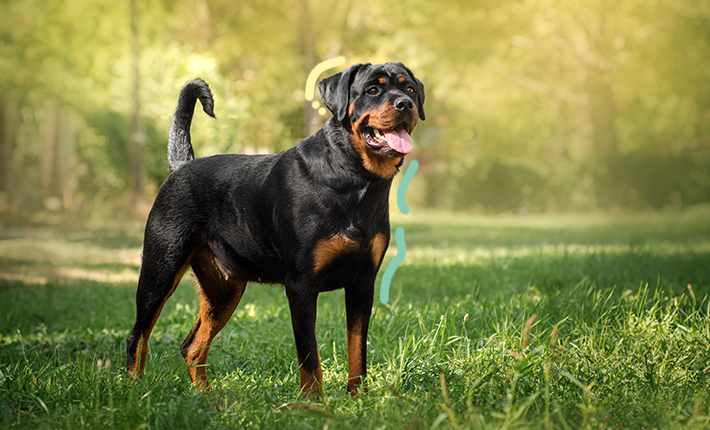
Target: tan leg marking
(311, 382)
(220, 293)
(211, 320)
(356, 347)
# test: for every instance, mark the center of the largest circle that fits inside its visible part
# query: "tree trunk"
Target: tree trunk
(50, 181)
(58, 159)
(66, 158)
(137, 134)
(4, 149)
(6, 146)
(203, 16)
(312, 117)
(602, 109)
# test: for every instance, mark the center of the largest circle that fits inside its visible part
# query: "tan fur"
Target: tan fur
(326, 251)
(383, 118)
(377, 248)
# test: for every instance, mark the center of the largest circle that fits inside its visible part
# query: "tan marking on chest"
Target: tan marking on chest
(378, 244)
(327, 250)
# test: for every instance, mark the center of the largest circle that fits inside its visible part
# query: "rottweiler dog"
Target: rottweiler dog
(314, 218)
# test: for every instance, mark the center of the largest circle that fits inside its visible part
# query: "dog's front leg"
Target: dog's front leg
(358, 306)
(302, 303)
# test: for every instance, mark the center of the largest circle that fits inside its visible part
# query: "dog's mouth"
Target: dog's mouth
(397, 139)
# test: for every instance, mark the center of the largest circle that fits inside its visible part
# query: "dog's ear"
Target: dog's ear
(335, 91)
(420, 92)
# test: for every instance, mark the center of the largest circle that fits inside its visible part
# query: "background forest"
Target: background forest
(532, 105)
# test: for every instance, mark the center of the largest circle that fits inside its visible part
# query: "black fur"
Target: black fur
(179, 143)
(314, 218)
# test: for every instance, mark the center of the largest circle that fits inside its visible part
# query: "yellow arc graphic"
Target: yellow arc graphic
(320, 68)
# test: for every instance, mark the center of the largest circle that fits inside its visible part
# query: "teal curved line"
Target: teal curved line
(402, 189)
(392, 267)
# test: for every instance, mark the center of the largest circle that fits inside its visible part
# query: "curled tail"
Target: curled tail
(179, 142)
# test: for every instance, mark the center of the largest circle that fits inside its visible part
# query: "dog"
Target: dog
(314, 218)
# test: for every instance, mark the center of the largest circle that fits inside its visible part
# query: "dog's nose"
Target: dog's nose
(403, 104)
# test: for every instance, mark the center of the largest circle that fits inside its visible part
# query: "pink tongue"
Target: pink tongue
(400, 141)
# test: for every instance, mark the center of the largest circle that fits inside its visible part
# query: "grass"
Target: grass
(555, 321)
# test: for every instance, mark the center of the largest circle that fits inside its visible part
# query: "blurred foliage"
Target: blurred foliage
(622, 181)
(532, 105)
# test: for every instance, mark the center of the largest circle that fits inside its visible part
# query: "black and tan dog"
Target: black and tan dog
(314, 218)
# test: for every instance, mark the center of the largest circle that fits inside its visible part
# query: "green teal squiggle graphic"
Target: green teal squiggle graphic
(398, 233)
(402, 189)
(392, 267)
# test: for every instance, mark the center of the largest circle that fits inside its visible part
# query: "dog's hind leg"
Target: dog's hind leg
(160, 275)
(220, 294)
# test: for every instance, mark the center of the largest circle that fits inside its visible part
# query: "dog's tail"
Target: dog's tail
(179, 142)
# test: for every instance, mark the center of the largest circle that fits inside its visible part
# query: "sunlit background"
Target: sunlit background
(532, 106)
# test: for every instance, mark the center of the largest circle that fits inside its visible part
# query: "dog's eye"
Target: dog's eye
(373, 91)
(410, 90)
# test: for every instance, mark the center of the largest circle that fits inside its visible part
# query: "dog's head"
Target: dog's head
(379, 106)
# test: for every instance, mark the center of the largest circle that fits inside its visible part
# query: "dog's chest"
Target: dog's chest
(358, 241)
(357, 213)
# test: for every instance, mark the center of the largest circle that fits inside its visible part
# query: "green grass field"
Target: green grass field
(555, 321)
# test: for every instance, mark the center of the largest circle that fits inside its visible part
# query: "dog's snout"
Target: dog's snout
(403, 104)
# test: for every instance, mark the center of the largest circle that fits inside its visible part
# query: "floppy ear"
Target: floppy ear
(420, 92)
(420, 98)
(335, 91)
